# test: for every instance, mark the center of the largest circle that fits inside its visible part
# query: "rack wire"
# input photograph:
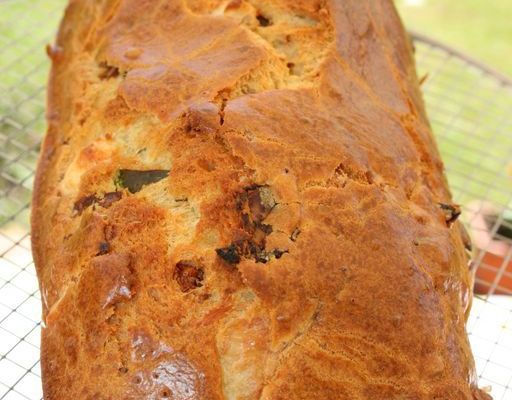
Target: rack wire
(469, 106)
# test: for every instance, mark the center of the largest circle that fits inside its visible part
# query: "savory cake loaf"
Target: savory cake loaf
(243, 200)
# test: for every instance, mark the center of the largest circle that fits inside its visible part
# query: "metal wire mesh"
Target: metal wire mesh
(469, 107)
(470, 110)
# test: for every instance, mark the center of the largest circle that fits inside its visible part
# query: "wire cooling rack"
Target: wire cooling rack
(470, 107)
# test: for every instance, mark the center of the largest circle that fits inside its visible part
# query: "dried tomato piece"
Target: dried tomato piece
(84, 202)
(188, 275)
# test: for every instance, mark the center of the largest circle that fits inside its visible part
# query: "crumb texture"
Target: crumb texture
(242, 200)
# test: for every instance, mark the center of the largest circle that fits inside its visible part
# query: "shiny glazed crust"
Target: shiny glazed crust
(243, 200)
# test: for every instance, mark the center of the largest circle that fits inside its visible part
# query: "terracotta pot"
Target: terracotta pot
(493, 275)
(493, 255)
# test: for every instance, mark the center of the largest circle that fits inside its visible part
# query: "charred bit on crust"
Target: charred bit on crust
(451, 212)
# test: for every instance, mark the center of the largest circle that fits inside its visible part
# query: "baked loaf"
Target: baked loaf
(243, 200)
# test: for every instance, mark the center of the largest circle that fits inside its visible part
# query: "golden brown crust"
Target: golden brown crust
(241, 200)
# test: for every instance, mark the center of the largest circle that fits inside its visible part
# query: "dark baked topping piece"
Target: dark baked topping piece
(84, 202)
(110, 198)
(265, 228)
(248, 249)
(260, 202)
(104, 248)
(87, 201)
(188, 275)
(278, 253)
(134, 180)
(451, 212)
(295, 234)
(264, 256)
(107, 71)
(263, 21)
(254, 204)
(229, 254)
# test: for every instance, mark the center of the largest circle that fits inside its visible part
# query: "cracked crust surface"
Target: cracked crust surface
(241, 200)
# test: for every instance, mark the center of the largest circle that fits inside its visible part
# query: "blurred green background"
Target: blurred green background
(482, 28)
